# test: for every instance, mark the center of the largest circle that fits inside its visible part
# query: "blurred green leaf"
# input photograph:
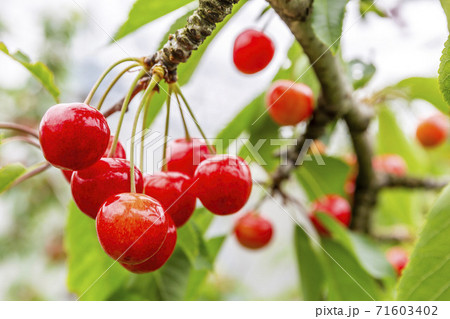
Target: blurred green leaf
(328, 17)
(38, 69)
(361, 72)
(444, 75)
(9, 173)
(366, 6)
(319, 179)
(310, 268)
(426, 276)
(91, 274)
(188, 241)
(145, 11)
(446, 6)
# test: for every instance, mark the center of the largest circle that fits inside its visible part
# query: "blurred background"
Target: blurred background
(73, 37)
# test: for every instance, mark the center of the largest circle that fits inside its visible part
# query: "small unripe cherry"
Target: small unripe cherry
(162, 255)
(185, 155)
(73, 136)
(131, 227)
(390, 164)
(253, 231)
(433, 131)
(289, 103)
(253, 50)
(173, 190)
(223, 183)
(92, 186)
(119, 153)
(398, 258)
(334, 206)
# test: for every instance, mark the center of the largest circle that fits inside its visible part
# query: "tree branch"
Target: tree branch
(392, 181)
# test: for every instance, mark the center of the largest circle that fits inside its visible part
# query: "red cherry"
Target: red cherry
(253, 231)
(119, 153)
(253, 50)
(131, 227)
(184, 155)
(73, 136)
(289, 103)
(92, 186)
(173, 191)
(390, 164)
(223, 183)
(433, 131)
(160, 258)
(333, 205)
(398, 258)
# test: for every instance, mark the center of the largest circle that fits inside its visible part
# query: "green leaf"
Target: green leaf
(426, 276)
(146, 11)
(346, 279)
(9, 173)
(321, 178)
(361, 72)
(328, 17)
(310, 269)
(446, 6)
(426, 89)
(444, 75)
(38, 69)
(91, 274)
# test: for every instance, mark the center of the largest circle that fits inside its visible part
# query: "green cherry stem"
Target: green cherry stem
(105, 73)
(123, 111)
(186, 130)
(157, 76)
(111, 85)
(144, 128)
(178, 91)
(166, 130)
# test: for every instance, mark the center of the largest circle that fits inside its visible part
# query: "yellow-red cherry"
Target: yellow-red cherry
(131, 227)
(73, 136)
(253, 231)
(390, 164)
(433, 131)
(334, 206)
(252, 52)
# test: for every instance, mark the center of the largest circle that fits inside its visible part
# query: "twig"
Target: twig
(21, 139)
(391, 181)
(20, 128)
(39, 169)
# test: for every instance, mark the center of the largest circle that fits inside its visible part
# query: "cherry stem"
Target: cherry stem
(21, 139)
(178, 91)
(20, 128)
(186, 130)
(111, 85)
(166, 130)
(158, 75)
(144, 128)
(33, 171)
(105, 73)
(126, 101)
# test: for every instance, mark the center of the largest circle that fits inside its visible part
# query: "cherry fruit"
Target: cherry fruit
(185, 155)
(334, 206)
(390, 164)
(118, 153)
(73, 136)
(92, 186)
(162, 255)
(289, 103)
(131, 227)
(433, 131)
(223, 183)
(173, 191)
(253, 50)
(398, 258)
(253, 231)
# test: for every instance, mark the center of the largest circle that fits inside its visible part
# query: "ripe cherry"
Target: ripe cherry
(160, 258)
(73, 136)
(92, 186)
(398, 258)
(223, 183)
(289, 103)
(185, 155)
(333, 205)
(173, 190)
(253, 50)
(253, 231)
(433, 131)
(119, 153)
(390, 164)
(131, 227)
